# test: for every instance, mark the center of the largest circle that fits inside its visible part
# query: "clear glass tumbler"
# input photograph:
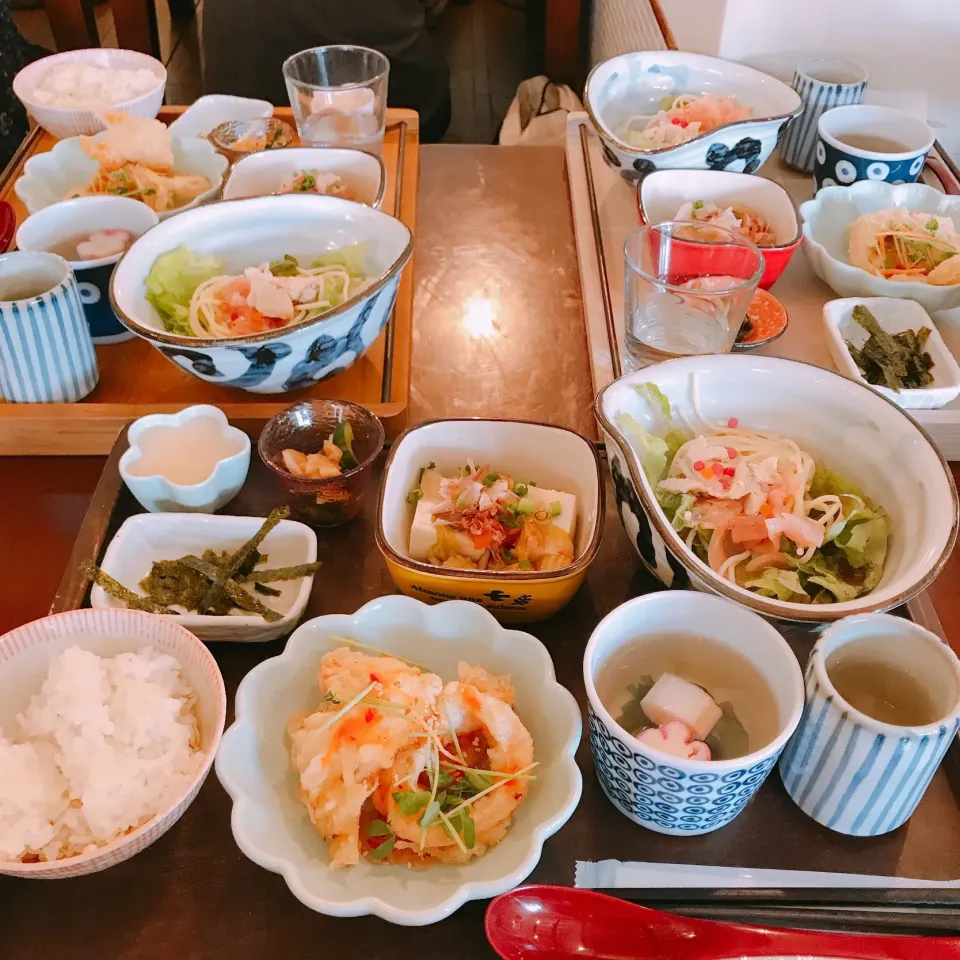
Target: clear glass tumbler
(339, 96)
(687, 286)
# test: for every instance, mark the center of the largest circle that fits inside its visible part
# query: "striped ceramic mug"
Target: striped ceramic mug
(46, 354)
(822, 85)
(845, 768)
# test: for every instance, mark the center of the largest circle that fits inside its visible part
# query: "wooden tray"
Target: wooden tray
(136, 379)
(203, 890)
(605, 213)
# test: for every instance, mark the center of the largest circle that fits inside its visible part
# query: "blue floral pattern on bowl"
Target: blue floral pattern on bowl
(635, 83)
(298, 357)
(663, 798)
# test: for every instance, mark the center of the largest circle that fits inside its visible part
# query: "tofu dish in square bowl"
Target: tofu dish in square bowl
(505, 513)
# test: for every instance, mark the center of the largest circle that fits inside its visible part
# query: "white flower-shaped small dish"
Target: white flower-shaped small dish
(894, 316)
(193, 461)
(148, 537)
(826, 235)
(271, 825)
(49, 177)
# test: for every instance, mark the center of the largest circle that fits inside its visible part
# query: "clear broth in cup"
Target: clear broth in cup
(880, 689)
(750, 719)
(872, 143)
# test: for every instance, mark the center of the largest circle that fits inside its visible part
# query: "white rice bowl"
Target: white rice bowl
(109, 722)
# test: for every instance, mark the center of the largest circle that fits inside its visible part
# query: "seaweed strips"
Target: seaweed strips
(898, 361)
(209, 584)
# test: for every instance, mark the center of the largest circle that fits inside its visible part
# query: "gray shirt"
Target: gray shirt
(246, 41)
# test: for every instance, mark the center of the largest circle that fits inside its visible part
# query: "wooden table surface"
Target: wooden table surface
(499, 331)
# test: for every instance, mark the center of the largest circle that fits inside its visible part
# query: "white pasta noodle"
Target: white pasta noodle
(207, 320)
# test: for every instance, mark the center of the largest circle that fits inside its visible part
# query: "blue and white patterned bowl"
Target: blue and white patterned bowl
(246, 233)
(838, 163)
(62, 222)
(634, 83)
(856, 432)
(667, 794)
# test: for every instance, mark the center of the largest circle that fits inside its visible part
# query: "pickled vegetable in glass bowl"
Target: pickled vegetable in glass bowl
(323, 453)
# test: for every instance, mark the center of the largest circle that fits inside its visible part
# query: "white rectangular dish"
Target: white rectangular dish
(148, 537)
(894, 316)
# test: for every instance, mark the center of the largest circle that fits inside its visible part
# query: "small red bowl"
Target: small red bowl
(661, 195)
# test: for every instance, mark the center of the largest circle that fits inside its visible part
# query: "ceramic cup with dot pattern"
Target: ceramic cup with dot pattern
(864, 142)
(664, 793)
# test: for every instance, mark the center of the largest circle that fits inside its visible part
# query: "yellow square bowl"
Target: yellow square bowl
(556, 458)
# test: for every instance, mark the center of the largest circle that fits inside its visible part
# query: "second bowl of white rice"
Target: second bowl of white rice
(109, 723)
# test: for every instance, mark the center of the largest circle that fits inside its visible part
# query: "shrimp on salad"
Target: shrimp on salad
(395, 767)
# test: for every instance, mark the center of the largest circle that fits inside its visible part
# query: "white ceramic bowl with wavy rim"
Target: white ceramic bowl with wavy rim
(271, 825)
(246, 233)
(673, 795)
(826, 232)
(25, 655)
(65, 122)
(263, 174)
(158, 494)
(634, 83)
(848, 426)
(49, 177)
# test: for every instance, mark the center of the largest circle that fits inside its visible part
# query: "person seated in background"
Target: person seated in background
(15, 53)
(245, 43)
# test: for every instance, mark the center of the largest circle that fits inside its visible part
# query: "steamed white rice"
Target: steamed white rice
(104, 746)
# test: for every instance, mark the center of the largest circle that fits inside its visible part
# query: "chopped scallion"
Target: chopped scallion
(556, 508)
(490, 479)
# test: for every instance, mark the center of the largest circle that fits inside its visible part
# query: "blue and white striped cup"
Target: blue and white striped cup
(46, 354)
(851, 772)
(822, 85)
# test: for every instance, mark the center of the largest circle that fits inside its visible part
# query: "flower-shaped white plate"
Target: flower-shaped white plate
(157, 493)
(826, 232)
(271, 825)
(49, 177)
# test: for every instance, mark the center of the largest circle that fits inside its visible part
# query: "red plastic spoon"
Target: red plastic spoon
(560, 923)
(8, 225)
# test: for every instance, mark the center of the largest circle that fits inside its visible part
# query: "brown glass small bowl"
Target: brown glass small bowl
(239, 138)
(304, 427)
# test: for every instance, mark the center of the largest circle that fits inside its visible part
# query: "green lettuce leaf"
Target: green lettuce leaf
(675, 505)
(171, 282)
(779, 584)
(651, 451)
(352, 258)
(655, 448)
(829, 481)
(865, 547)
(656, 398)
(830, 571)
